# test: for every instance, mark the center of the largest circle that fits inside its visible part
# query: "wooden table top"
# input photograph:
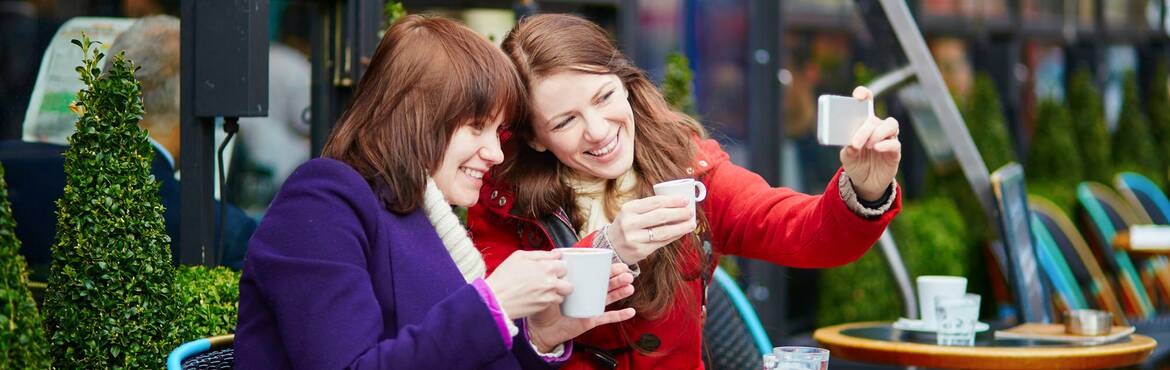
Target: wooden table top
(987, 354)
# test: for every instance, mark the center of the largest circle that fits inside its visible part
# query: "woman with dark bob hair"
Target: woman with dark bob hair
(360, 262)
(581, 171)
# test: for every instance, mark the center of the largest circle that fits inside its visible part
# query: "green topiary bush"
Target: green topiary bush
(1158, 104)
(933, 238)
(676, 84)
(22, 337)
(1054, 168)
(1133, 145)
(110, 301)
(209, 298)
(987, 125)
(1088, 128)
(1054, 151)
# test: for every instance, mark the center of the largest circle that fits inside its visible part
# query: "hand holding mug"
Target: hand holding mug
(644, 225)
(549, 328)
(529, 281)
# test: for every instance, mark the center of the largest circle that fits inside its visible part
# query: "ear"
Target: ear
(537, 146)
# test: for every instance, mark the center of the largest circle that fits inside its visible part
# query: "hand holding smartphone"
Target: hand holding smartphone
(838, 117)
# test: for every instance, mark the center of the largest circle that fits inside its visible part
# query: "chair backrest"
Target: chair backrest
(1144, 196)
(1031, 293)
(1105, 217)
(1082, 263)
(732, 334)
(36, 179)
(1055, 267)
(214, 353)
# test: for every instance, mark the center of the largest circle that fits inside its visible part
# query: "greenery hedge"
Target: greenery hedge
(1133, 144)
(933, 238)
(208, 297)
(22, 336)
(110, 301)
(1158, 105)
(1054, 169)
(676, 84)
(1089, 131)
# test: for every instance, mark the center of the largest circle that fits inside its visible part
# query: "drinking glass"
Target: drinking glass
(797, 358)
(956, 317)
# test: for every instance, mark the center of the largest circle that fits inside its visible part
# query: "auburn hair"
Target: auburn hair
(547, 44)
(429, 77)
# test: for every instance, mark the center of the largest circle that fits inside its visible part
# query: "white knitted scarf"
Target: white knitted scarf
(451, 231)
(591, 198)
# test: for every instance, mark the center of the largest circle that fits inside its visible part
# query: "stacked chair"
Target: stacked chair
(1048, 258)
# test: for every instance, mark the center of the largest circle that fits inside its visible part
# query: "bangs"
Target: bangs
(485, 87)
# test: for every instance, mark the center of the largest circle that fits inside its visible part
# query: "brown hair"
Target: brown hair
(544, 45)
(428, 77)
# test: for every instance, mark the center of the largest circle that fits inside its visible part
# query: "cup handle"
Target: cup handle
(702, 191)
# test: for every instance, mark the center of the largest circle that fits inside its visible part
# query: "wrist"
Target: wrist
(537, 339)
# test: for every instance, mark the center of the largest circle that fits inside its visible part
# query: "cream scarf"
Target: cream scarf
(591, 198)
(451, 231)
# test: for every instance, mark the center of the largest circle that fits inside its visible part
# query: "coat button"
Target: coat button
(495, 193)
(703, 163)
(690, 171)
(648, 342)
(503, 201)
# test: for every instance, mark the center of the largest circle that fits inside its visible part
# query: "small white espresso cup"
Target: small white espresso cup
(685, 188)
(931, 286)
(588, 271)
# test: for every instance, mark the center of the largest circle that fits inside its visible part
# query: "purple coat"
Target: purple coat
(334, 280)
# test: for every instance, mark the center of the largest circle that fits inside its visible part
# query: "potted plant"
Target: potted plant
(1133, 143)
(1054, 167)
(110, 302)
(22, 337)
(1089, 131)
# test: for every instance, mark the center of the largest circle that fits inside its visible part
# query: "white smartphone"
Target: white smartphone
(839, 116)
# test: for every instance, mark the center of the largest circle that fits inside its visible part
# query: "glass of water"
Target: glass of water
(797, 358)
(956, 318)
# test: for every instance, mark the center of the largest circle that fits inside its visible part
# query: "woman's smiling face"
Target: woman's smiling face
(586, 121)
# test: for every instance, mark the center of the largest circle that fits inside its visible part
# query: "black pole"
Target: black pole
(768, 283)
(198, 143)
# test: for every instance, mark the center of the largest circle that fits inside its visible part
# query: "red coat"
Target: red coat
(747, 218)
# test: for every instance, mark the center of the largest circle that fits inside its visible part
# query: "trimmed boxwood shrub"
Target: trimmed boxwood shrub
(676, 84)
(933, 238)
(209, 298)
(1133, 144)
(987, 125)
(110, 301)
(1054, 168)
(1158, 104)
(22, 337)
(1089, 131)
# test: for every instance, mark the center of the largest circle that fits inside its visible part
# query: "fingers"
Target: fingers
(563, 288)
(619, 294)
(666, 234)
(862, 93)
(616, 269)
(888, 146)
(640, 206)
(886, 129)
(861, 136)
(611, 317)
(658, 217)
(621, 280)
(557, 268)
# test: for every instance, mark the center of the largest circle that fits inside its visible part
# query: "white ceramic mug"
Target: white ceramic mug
(588, 271)
(930, 287)
(685, 188)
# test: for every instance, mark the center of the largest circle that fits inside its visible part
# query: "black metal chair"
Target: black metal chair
(732, 335)
(214, 353)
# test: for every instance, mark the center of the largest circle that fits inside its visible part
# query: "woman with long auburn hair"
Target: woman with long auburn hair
(580, 172)
(360, 262)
